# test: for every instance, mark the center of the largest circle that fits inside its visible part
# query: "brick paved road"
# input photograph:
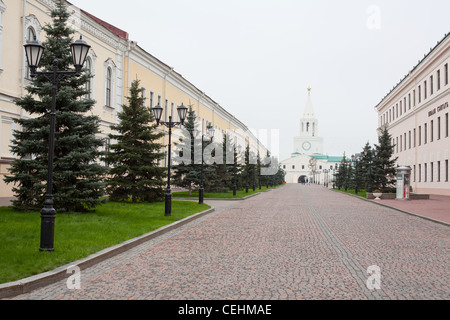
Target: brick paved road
(296, 242)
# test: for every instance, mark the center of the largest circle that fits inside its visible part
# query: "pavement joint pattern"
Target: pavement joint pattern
(293, 243)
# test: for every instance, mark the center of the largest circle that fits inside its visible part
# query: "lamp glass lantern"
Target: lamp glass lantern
(182, 112)
(80, 50)
(211, 132)
(34, 51)
(157, 113)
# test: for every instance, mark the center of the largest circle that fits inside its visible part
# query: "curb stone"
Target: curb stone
(12, 289)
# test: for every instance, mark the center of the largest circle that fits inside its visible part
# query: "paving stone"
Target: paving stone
(294, 243)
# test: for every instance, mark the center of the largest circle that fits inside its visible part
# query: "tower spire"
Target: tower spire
(309, 110)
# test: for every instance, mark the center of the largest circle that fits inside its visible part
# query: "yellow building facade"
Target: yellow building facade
(114, 60)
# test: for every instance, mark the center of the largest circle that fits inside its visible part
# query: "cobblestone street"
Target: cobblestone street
(296, 242)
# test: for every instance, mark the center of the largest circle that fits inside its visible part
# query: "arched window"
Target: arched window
(108, 87)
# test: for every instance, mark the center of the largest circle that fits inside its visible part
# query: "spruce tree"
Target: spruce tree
(135, 173)
(342, 174)
(384, 164)
(78, 177)
(366, 165)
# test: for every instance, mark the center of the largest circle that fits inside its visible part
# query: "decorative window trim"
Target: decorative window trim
(31, 21)
(92, 57)
(110, 64)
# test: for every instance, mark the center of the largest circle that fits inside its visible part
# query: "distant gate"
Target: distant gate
(302, 179)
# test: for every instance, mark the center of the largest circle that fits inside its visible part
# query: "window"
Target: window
(410, 139)
(108, 87)
(425, 129)
(420, 173)
(401, 109)
(404, 140)
(446, 125)
(439, 80)
(88, 85)
(438, 171)
(396, 145)
(424, 90)
(414, 97)
(401, 143)
(420, 94)
(431, 131)
(414, 178)
(425, 169)
(439, 128)
(446, 74)
(446, 170)
(431, 85)
(431, 171)
(409, 101)
(151, 99)
(404, 104)
(172, 106)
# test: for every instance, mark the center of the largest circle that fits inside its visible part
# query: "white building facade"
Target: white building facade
(416, 114)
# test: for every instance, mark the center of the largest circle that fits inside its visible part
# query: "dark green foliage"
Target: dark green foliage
(78, 177)
(186, 172)
(135, 172)
(384, 172)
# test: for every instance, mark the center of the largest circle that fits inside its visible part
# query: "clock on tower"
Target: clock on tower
(306, 146)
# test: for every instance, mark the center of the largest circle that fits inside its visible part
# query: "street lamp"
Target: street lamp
(157, 112)
(34, 51)
(208, 138)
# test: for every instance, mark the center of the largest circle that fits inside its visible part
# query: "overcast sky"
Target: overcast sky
(257, 58)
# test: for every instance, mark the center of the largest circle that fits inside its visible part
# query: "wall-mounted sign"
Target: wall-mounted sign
(438, 109)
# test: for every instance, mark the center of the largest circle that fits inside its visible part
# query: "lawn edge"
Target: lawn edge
(13, 289)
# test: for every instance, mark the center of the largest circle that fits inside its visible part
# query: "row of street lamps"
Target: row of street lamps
(34, 51)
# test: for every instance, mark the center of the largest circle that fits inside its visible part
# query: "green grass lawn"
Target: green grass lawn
(361, 193)
(222, 195)
(78, 235)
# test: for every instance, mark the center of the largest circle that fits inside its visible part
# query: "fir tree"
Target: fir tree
(342, 174)
(78, 177)
(384, 164)
(366, 165)
(186, 172)
(135, 172)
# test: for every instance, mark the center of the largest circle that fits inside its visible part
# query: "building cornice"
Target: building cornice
(415, 71)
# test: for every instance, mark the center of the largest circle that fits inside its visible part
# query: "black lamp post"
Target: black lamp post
(34, 51)
(157, 112)
(208, 138)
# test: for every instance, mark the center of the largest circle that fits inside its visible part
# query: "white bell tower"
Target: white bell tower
(308, 142)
